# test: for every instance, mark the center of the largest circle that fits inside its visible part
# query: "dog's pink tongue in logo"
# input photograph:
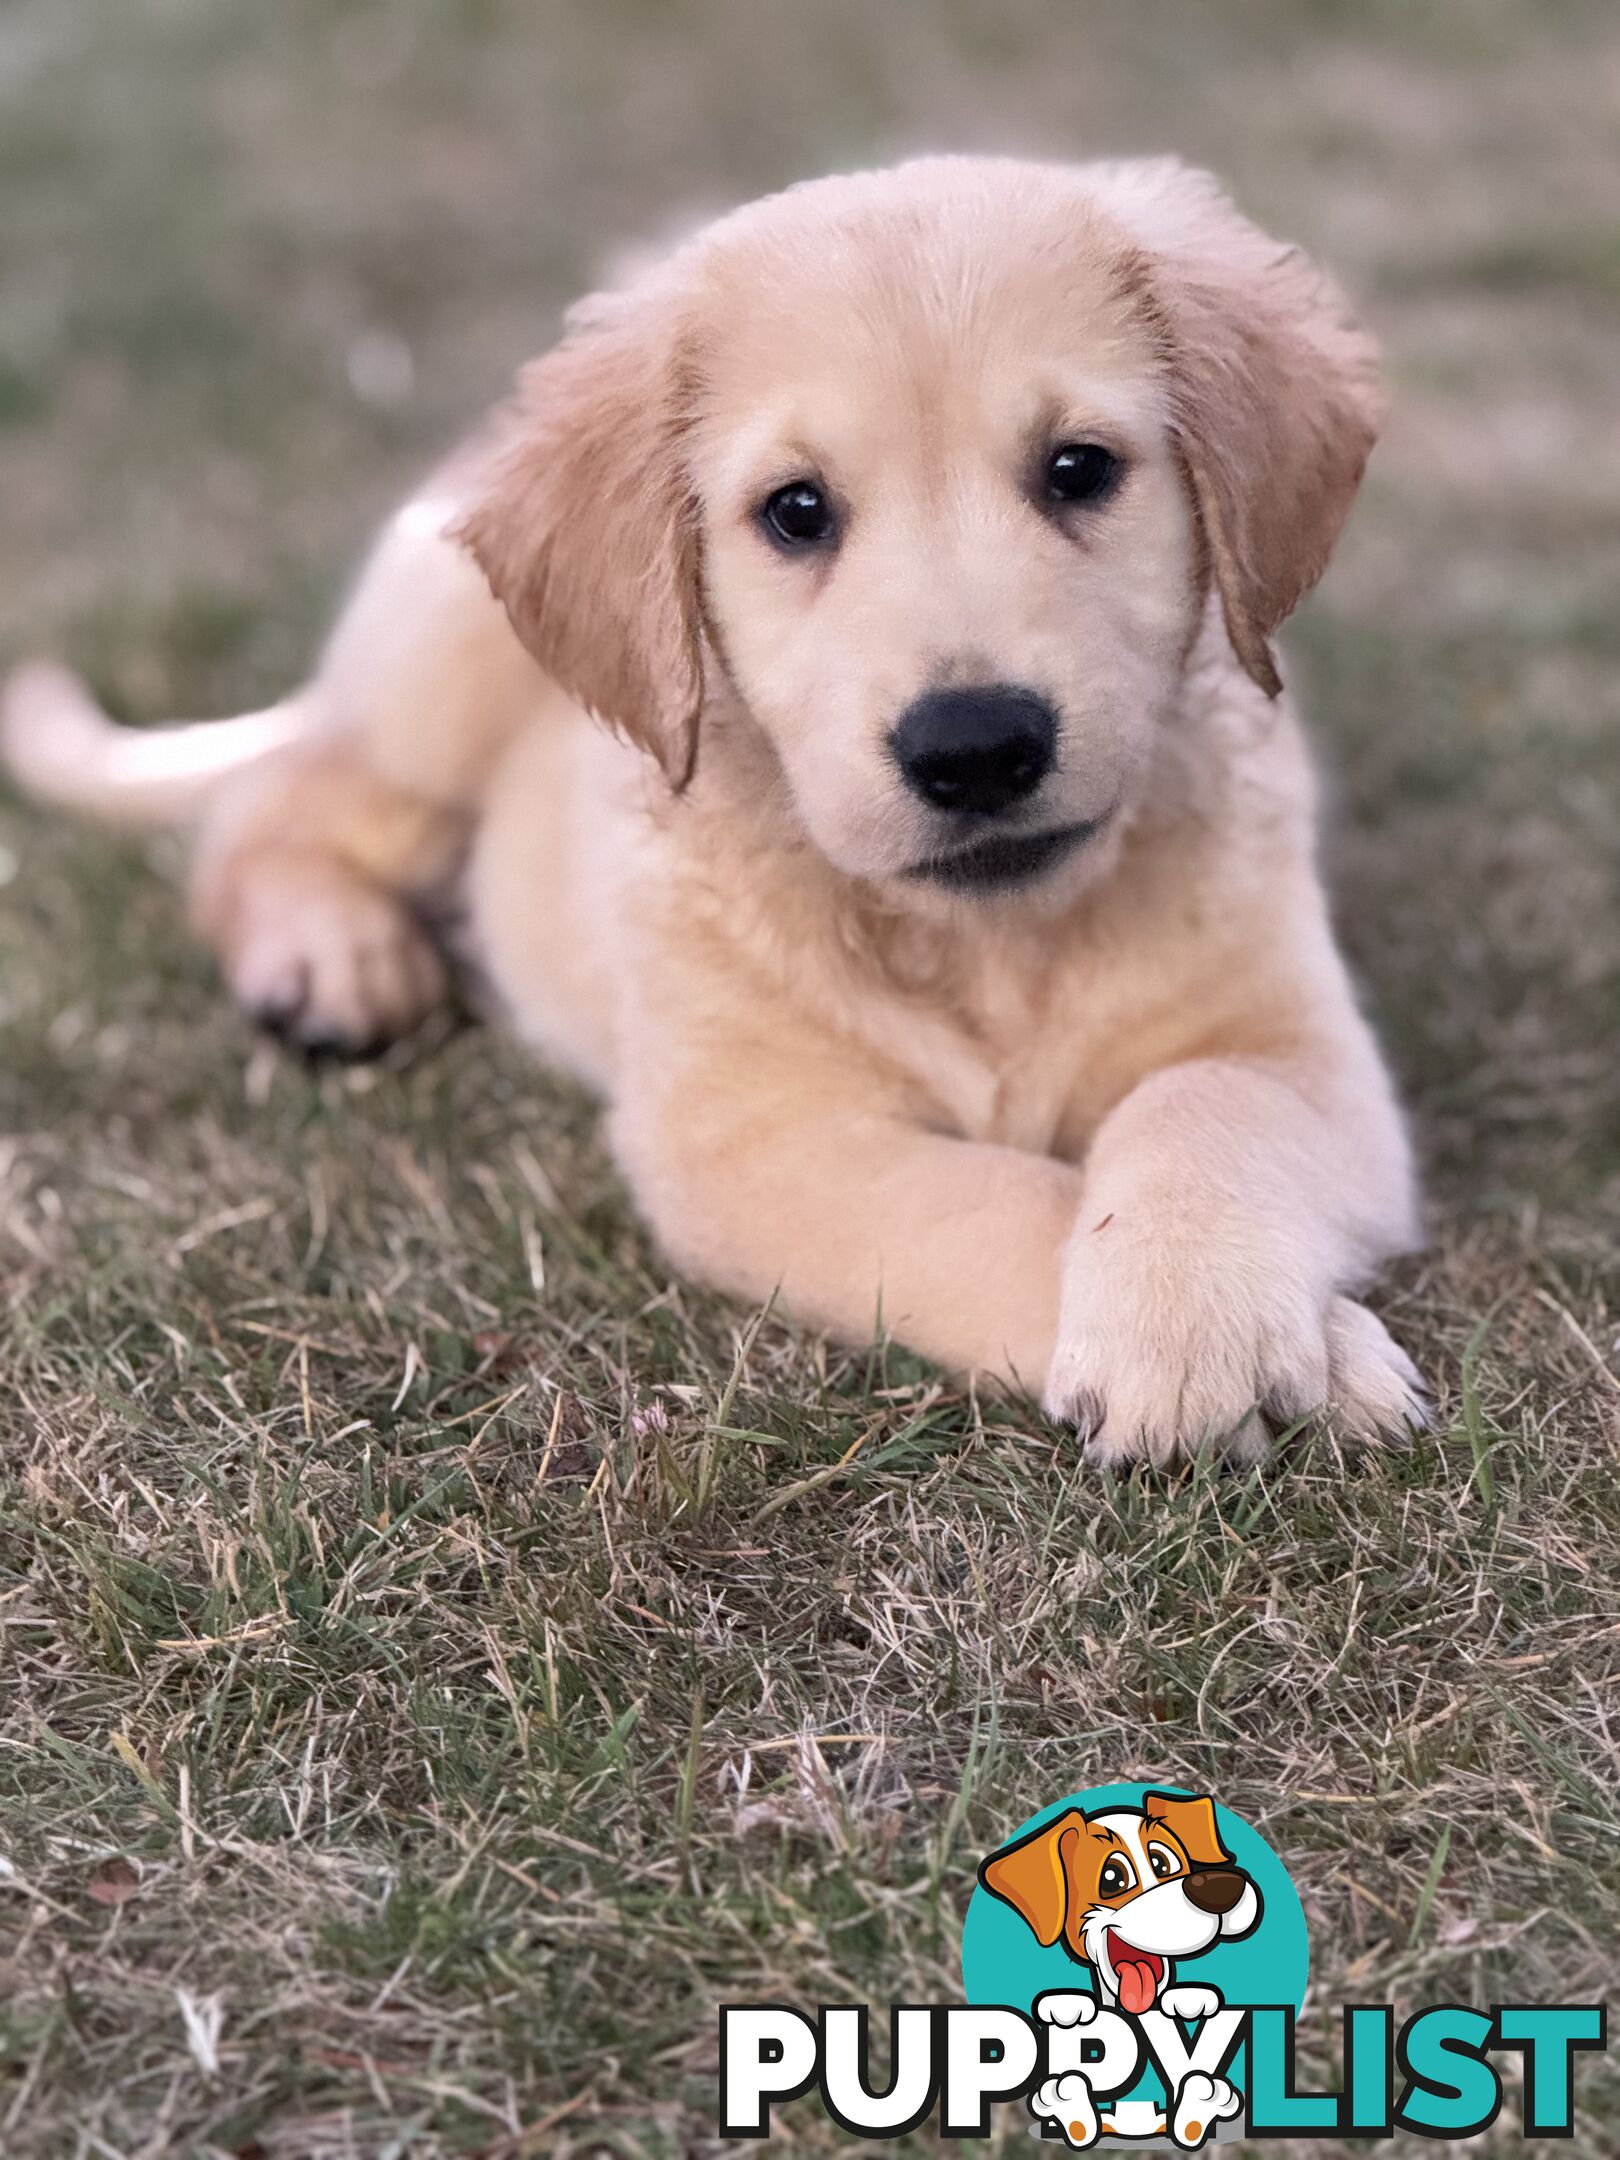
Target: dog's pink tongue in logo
(1137, 1972)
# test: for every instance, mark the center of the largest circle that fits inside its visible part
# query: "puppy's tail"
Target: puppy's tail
(60, 747)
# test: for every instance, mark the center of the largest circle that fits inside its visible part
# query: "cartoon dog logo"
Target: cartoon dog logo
(1132, 1893)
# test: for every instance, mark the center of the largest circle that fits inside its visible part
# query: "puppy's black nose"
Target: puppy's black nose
(976, 750)
(1216, 1889)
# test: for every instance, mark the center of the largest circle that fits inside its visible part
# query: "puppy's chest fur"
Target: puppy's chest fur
(1013, 1039)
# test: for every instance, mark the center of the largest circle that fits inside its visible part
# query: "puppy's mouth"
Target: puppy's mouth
(1002, 861)
(1138, 1974)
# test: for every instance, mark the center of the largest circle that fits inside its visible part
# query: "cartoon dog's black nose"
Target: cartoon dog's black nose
(977, 750)
(1216, 1889)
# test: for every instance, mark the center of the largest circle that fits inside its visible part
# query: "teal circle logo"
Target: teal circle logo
(1130, 1893)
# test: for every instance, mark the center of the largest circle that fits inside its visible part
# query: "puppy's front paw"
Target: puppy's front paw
(1202, 2101)
(317, 954)
(1067, 2102)
(1373, 1386)
(1161, 1354)
(1062, 2006)
(1191, 2004)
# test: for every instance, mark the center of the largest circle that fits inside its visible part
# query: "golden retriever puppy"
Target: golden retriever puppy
(937, 909)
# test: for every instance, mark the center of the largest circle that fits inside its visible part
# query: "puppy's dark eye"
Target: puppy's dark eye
(1082, 472)
(799, 514)
(1116, 1878)
(1163, 1862)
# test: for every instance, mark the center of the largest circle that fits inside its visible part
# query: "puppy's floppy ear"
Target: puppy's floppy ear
(1273, 386)
(1191, 1816)
(579, 516)
(1032, 1876)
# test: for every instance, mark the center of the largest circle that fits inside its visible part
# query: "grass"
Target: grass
(445, 1654)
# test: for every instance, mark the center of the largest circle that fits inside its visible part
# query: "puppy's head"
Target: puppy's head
(1128, 1891)
(927, 474)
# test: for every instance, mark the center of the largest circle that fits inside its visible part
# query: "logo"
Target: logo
(1137, 1925)
(1134, 1962)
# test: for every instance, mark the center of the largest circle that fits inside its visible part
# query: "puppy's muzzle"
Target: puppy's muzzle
(979, 751)
(1216, 1890)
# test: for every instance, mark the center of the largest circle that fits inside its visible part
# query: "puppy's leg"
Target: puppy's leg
(1228, 1204)
(311, 865)
(810, 1177)
(304, 885)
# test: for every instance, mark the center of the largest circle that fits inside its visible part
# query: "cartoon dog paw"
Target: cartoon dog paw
(1202, 2101)
(1189, 2003)
(1060, 2008)
(1067, 2102)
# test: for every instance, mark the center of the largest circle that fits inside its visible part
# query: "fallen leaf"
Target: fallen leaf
(566, 1464)
(496, 1351)
(115, 1882)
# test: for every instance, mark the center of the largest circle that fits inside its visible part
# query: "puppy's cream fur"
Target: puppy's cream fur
(1121, 1134)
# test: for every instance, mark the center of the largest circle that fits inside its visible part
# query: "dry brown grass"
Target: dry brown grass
(416, 1721)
